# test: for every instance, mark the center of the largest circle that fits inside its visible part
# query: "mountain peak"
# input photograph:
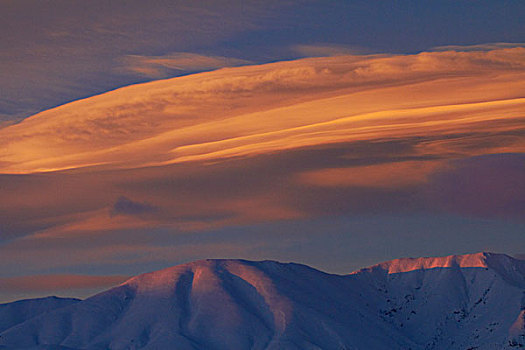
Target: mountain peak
(209, 271)
(498, 262)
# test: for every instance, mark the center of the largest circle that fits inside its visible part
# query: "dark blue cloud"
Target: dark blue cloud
(125, 206)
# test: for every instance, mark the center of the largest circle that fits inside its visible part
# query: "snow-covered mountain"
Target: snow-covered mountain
(457, 302)
(20, 311)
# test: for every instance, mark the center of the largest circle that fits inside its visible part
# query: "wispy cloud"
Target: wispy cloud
(478, 47)
(175, 63)
(384, 175)
(322, 50)
(239, 111)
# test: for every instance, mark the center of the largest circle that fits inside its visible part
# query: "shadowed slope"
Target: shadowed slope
(17, 312)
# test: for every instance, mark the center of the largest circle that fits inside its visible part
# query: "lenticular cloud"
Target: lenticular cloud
(253, 110)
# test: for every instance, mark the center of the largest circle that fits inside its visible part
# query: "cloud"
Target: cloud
(52, 283)
(322, 50)
(176, 63)
(229, 149)
(125, 206)
(282, 141)
(51, 56)
(151, 172)
(73, 50)
(260, 208)
(136, 251)
(387, 175)
(479, 47)
(252, 110)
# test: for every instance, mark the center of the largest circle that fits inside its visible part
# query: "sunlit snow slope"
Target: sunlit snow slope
(457, 302)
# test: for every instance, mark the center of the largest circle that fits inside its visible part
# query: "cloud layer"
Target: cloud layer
(150, 172)
(259, 109)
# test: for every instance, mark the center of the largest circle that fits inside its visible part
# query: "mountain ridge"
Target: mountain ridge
(241, 304)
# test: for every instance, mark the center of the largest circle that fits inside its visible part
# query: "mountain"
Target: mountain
(457, 302)
(20, 311)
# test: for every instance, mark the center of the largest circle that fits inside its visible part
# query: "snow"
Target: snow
(456, 302)
(17, 312)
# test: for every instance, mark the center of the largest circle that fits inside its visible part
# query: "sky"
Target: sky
(337, 134)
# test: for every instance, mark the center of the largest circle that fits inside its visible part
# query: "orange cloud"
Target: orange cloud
(293, 140)
(252, 110)
(388, 175)
(170, 64)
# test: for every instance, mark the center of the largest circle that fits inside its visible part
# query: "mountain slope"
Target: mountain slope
(454, 302)
(17, 312)
(457, 302)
